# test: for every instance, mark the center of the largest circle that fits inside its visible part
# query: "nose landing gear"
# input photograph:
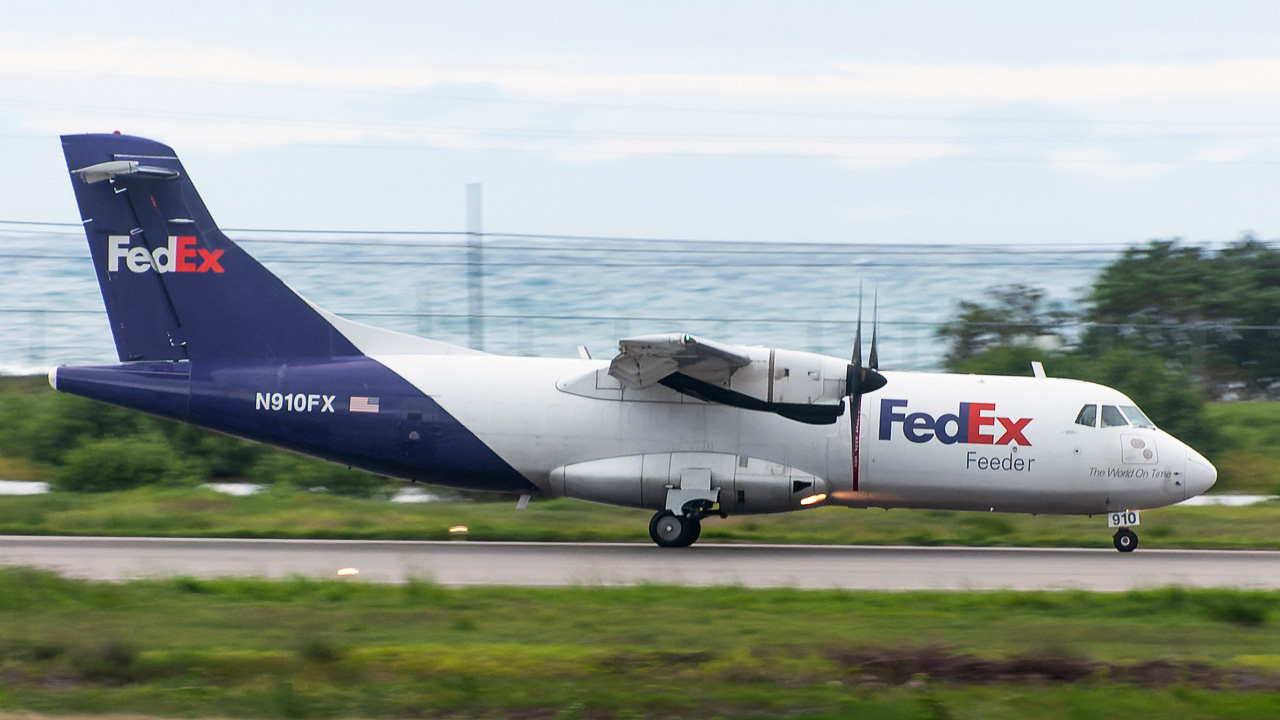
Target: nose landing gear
(1125, 540)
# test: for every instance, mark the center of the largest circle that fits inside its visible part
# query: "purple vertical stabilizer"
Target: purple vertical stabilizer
(175, 287)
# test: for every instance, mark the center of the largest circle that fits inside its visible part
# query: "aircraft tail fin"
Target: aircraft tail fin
(174, 286)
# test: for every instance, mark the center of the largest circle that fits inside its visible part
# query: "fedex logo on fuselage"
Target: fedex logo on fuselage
(975, 423)
(180, 255)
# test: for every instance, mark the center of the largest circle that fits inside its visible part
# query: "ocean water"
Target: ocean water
(546, 296)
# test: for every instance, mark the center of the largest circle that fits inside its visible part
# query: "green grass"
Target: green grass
(194, 512)
(24, 469)
(300, 648)
(1249, 462)
(1251, 436)
(24, 384)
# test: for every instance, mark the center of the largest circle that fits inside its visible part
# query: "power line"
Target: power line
(670, 245)
(788, 148)
(807, 320)
(596, 264)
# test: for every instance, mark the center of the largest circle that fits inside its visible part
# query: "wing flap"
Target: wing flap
(644, 361)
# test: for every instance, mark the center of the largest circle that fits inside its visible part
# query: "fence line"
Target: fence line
(1074, 324)
(72, 331)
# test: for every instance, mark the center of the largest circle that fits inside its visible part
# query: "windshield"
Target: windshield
(1136, 417)
(1111, 417)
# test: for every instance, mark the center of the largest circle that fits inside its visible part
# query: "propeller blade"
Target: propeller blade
(873, 361)
(852, 375)
(859, 380)
(857, 335)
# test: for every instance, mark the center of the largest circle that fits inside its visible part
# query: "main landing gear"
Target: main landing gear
(671, 530)
(1125, 540)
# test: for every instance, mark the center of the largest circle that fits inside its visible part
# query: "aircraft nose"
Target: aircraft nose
(1201, 474)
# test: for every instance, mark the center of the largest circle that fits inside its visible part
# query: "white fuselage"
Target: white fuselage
(963, 442)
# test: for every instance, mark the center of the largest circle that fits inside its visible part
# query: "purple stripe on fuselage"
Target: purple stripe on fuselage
(303, 405)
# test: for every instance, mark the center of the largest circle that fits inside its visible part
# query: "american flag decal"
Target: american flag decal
(364, 404)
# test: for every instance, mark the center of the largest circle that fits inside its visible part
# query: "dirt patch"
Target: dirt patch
(904, 666)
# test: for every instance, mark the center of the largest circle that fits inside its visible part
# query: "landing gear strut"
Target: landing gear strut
(1125, 540)
(671, 530)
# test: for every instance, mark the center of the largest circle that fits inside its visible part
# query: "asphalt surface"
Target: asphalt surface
(805, 566)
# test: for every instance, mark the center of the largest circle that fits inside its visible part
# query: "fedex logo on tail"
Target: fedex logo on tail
(974, 423)
(180, 255)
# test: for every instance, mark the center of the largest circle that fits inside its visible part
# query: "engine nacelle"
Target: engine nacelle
(798, 385)
(791, 377)
(745, 485)
(802, 386)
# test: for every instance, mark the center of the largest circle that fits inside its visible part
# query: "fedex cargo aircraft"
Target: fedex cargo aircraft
(684, 426)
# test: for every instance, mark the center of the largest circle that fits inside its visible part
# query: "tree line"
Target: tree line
(1168, 323)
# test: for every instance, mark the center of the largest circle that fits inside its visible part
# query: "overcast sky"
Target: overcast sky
(894, 122)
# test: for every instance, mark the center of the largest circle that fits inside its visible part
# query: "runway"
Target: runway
(460, 563)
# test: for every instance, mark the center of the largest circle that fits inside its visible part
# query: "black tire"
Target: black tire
(670, 530)
(1125, 540)
(695, 530)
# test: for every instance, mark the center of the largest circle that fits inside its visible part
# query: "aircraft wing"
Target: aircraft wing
(645, 360)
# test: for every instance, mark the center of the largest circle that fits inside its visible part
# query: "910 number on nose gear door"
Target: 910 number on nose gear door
(1124, 518)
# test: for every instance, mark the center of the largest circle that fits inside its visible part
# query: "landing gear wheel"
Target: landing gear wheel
(1125, 540)
(671, 530)
(695, 530)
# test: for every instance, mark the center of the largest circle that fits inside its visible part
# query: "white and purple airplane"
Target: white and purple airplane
(677, 424)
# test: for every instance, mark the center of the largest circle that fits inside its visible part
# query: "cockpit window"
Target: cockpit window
(1136, 416)
(1088, 416)
(1111, 417)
